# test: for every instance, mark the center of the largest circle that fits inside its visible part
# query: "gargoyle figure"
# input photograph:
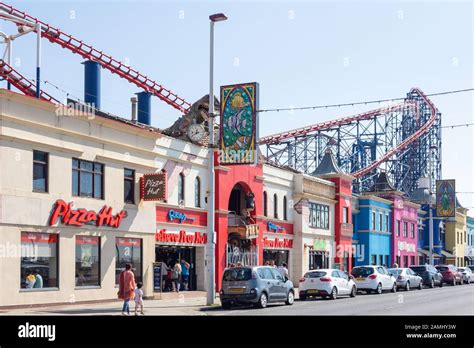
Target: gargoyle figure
(198, 114)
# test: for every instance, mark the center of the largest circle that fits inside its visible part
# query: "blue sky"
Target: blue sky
(301, 53)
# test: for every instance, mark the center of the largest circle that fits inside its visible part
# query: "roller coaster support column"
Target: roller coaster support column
(38, 60)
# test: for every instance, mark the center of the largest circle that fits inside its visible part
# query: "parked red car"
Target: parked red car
(450, 273)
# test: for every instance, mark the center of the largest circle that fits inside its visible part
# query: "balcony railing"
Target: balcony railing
(238, 224)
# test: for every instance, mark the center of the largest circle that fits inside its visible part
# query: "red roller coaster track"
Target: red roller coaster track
(88, 52)
(364, 116)
(22, 83)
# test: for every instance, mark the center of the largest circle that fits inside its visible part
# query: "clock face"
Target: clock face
(195, 132)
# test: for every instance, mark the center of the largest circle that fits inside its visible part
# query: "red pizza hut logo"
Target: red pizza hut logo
(181, 237)
(63, 212)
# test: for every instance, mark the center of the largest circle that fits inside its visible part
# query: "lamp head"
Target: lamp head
(218, 17)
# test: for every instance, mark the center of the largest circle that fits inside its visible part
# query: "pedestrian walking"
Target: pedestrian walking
(185, 274)
(126, 288)
(175, 276)
(139, 298)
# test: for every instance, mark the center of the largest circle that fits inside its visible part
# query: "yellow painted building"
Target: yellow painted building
(456, 237)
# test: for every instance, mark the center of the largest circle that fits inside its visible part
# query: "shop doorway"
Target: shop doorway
(318, 260)
(170, 254)
(277, 256)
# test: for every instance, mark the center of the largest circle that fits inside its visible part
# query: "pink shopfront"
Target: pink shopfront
(405, 231)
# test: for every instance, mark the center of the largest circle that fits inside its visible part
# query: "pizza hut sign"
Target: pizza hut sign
(64, 212)
(153, 187)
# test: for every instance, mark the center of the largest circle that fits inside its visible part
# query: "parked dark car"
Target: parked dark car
(431, 276)
(450, 273)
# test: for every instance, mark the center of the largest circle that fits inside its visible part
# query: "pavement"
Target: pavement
(458, 300)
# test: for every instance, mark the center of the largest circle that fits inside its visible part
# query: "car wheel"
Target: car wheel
(262, 301)
(291, 298)
(394, 287)
(333, 295)
(441, 284)
(407, 286)
(432, 284)
(354, 291)
(420, 286)
(303, 298)
(226, 305)
(379, 289)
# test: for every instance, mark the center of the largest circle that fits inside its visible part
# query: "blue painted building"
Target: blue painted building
(372, 230)
(439, 239)
(469, 254)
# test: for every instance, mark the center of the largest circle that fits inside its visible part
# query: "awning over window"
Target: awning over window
(423, 252)
(446, 254)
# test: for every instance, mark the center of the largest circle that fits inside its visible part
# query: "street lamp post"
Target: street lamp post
(211, 292)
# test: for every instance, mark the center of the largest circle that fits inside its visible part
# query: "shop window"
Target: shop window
(277, 256)
(412, 260)
(380, 259)
(318, 259)
(387, 262)
(129, 186)
(39, 260)
(373, 221)
(181, 189)
(319, 216)
(285, 208)
(405, 261)
(87, 261)
(87, 179)
(265, 203)
(345, 215)
(412, 231)
(40, 171)
(398, 261)
(197, 192)
(128, 250)
(373, 259)
(275, 206)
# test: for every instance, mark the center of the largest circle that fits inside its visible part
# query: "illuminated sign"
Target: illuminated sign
(277, 243)
(153, 187)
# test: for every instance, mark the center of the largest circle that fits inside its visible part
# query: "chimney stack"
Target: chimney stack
(92, 84)
(144, 108)
(134, 108)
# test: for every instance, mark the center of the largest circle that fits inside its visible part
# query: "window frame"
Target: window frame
(181, 188)
(374, 221)
(132, 180)
(319, 216)
(197, 192)
(99, 257)
(46, 166)
(275, 206)
(405, 229)
(285, 210)
(265, 203)
(79, 170)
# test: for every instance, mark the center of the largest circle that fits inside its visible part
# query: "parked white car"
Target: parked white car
(467, 275)
(374, 279)
(326, 283)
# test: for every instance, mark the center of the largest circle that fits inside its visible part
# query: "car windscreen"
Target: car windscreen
(362, 271)
(461, 269)
(236, 274)
(395, 271)
(418, 269)
(317, 274)
(472, 268)
(443, 269)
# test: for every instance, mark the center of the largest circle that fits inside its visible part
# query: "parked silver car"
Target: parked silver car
(258, 285)
(406, 278)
